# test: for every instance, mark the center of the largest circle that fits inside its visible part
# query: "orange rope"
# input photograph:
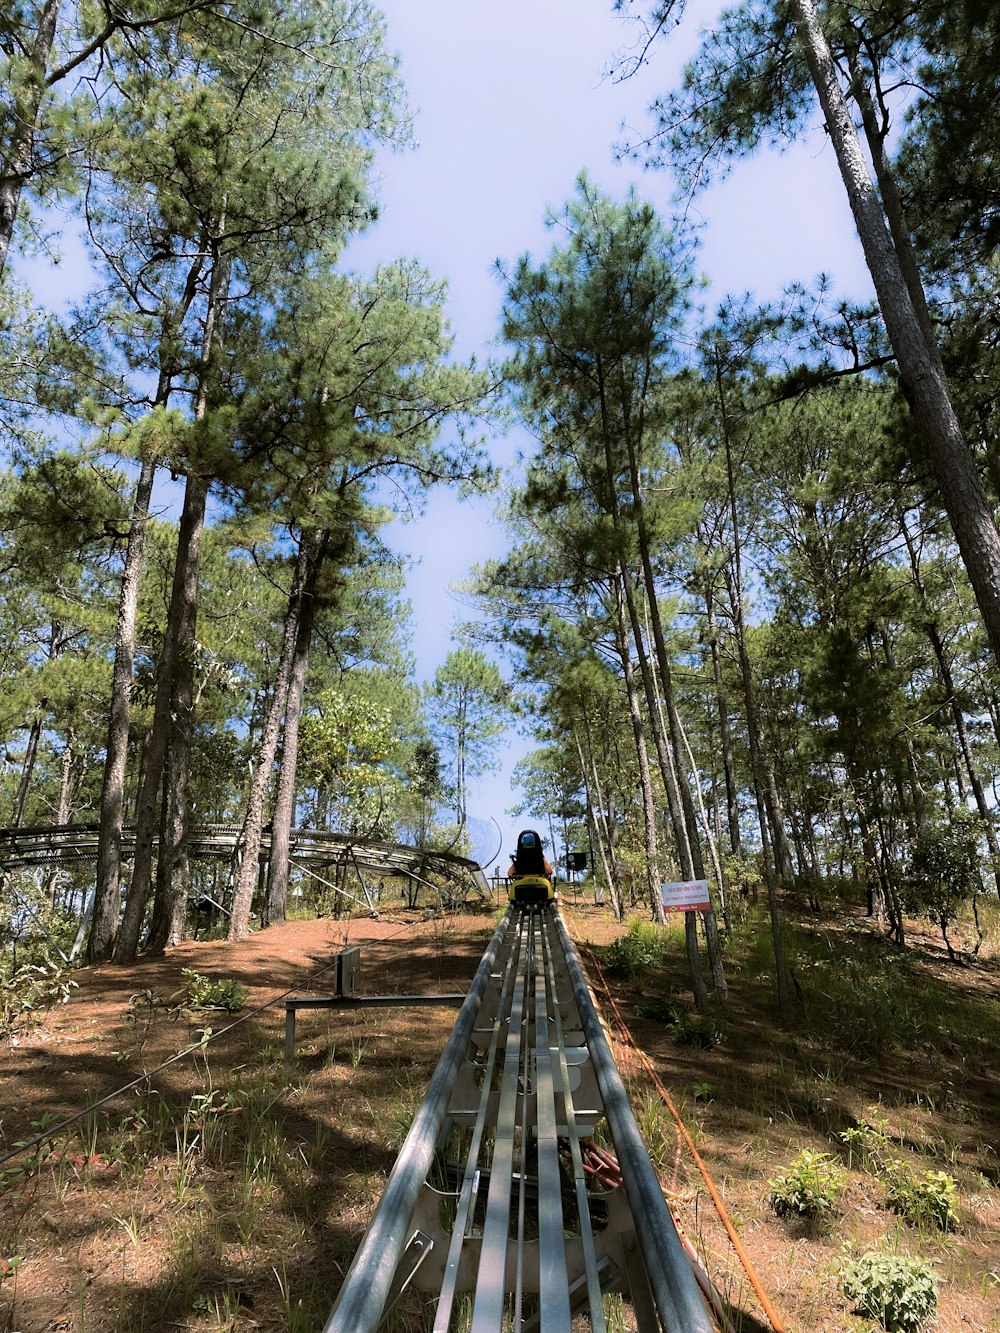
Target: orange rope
(768, 1308)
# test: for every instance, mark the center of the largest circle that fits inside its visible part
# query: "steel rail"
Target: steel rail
(366, 1286)
(467, 1193)
(511, 1066)
(673, 1286)
(488, 1311)
(591, 1264)
(553, 1278)
(25, 846)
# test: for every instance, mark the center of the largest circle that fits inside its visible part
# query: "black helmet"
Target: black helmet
(528, 858)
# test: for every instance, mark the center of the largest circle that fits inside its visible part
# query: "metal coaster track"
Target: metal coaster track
(61, 844)
(488, 1212)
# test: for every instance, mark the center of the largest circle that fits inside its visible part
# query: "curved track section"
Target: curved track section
(489, 1211)
(53, 845)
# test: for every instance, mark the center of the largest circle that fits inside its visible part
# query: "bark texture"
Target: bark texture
(922, 377)
(15, 168)
(107, 891)
(253, 819)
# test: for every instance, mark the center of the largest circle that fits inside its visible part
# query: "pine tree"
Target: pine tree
(470, 707)
(254, 165)
(756, 76)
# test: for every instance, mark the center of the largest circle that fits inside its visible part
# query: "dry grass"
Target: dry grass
(232, 1193)
(902, 1041)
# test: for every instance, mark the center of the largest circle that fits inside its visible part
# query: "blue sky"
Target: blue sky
(510, 104)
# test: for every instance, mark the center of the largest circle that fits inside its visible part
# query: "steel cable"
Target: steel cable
(53, 1130)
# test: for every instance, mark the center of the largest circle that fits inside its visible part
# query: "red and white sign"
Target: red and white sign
(686, 895)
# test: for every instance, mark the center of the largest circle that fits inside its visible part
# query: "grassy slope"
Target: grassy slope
(232, 1194)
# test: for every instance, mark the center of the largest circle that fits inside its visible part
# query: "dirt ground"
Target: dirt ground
(103, 1237)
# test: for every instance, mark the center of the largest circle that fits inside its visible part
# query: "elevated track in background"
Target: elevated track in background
(502, 1214)
(312, 851)
(494, 1217)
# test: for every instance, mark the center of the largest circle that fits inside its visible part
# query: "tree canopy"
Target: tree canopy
(748, 612)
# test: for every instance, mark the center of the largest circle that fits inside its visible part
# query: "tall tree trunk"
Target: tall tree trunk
(760, 762)
(944, 670)
(250, 835)
(28, 766)
(671, 757)
(661, 743)
(909, 802)
(170, 900)
(965, 747)
(107, 893)
(107, 890)
(696, 866)
(146, 815)
(698, 986)
(170, 908)
(642, 757)
(460, 742)
(65, 779)
(690, 824)
(711, 925)
(626, 586)
(760, 759)
(606, 822)
(895, 214)
(16, 165)
(282, 818)
(988, 694)
(763, 777)
(172, 692)
(725, 731)
(597, 820)
(923, 380)
(62, 809)
(633, 432)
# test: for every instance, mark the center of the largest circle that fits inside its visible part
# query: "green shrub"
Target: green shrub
(662, 1011)
(870, 1141)
(943, 870)
(900, 1293)
(808, 1099)
(29, 990)
(202, 993)
(927, 1200)
(697, 1030)
(633, 954)
(873, 1006)
(809, 1188)
(744, 879)
(9, 1264)
(923, 1200)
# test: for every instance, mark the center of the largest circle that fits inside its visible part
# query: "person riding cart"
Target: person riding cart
(530, 873)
